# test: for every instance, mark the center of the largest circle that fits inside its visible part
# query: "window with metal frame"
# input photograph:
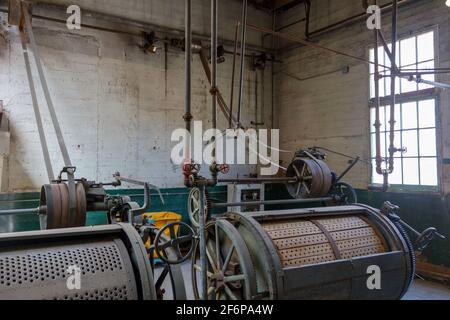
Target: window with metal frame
(415, 113)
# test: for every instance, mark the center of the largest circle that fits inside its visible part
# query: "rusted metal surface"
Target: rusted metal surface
(302, 242)
(55, 197)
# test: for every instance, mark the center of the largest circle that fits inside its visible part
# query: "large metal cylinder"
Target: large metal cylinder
(325, 253)
(111, 262)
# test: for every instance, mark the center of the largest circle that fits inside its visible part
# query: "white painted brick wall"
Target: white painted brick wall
(117, 106)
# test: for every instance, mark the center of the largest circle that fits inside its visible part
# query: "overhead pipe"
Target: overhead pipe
(236, 36)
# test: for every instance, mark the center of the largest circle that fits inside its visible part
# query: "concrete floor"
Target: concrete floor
(421, 289)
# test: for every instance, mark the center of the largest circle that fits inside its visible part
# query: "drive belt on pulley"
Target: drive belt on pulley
(66, 203)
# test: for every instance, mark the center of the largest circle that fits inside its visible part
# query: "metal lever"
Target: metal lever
(119, 178)
(139, 212)
(423, 239)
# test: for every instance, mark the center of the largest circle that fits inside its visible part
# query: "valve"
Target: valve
(224, 168)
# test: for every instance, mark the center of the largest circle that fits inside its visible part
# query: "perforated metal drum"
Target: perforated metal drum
(97, 263)
(325, 253)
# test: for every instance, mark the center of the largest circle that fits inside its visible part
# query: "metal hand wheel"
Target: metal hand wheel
(194, 207)
(426, 237)
(346, 193)
(230, 272)
(162, 242)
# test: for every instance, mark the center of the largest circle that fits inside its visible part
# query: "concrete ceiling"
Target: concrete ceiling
(275, 4)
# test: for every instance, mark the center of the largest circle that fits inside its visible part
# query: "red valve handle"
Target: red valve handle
(224, 168)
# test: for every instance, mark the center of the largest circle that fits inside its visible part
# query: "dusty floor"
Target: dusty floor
(421, 289)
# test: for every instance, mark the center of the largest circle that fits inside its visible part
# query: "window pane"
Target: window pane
(429, 77)
(409, 115)
(428, 142)
(396, 176)
(373, 145)
(425, 44)
(428, 172)
(376, 178)
(408, 51)
(411, 171)
(387, 61)
(372, 87)
(427, 114)
(388, 86)
(397, 139)
(410, 143)
(372, 59)
(408, 86)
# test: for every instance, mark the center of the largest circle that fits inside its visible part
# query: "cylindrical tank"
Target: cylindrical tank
(326, 253)
(89, 263)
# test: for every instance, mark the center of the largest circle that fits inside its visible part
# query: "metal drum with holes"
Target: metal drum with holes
(89, 263)
(55, 198)
(326, 253)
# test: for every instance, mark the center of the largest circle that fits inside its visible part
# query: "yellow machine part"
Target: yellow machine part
(306, 241)
(160, 220)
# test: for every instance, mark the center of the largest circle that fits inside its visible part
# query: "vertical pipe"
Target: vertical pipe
(202, 245)
(377, 124)
(243, 43)
(214, 18)
(236, 36)
(256, 99)
(188, 70)
(272, 85)
(392, 149)
(214, 90)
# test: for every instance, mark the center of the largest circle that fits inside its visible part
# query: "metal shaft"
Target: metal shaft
(19, 212)
(271, 202)
(258, 180)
